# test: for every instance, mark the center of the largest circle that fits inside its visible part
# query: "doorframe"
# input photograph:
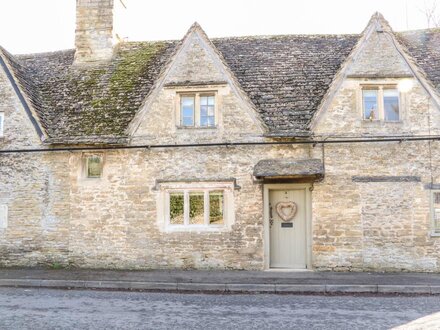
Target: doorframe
(266, 239)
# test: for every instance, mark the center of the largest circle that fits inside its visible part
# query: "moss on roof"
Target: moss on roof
(96, 100)
(284, 76)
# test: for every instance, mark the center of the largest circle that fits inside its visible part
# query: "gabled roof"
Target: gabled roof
(25, 90)
(196, 37)
(285, 77)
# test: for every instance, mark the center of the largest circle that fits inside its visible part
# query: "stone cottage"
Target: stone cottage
(297, 151)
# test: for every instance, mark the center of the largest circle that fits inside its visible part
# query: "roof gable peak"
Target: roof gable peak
(195, 28)
(170, 75)
(378, 23)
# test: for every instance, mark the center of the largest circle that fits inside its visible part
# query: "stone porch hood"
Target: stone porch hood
(298, 169)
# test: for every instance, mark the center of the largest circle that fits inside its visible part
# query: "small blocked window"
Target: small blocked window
(435, 212)
(197, 110)
(94, 166)
(381, 103)
(2, 120)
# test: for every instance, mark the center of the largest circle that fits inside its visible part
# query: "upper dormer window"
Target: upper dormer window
(381, 103)
(197, 110)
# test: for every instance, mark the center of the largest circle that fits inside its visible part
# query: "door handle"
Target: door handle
(270, 215)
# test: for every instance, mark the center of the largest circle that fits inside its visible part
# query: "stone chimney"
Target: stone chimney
(94, 31)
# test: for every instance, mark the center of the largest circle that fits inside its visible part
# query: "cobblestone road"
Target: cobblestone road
(59, 309)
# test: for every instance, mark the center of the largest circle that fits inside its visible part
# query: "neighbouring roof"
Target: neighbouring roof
(424, 47)
(286, 78)
(289, 168)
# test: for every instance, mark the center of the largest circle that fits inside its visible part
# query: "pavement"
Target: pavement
(222, 281)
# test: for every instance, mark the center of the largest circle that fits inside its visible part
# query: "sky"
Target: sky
(30, 26)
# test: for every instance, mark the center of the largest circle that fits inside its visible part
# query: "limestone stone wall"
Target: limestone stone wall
(382, 223)
(379, 57)
(58, 216)
(35, 189)
(114, 220)
(344, 117)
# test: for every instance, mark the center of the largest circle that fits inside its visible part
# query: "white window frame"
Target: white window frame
(197, 108)
(186, 188)
(434, 230)
(380, 101)
(3, 216)
(2, 124)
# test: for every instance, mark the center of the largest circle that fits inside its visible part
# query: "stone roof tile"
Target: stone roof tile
(285, 77)
(424, 47)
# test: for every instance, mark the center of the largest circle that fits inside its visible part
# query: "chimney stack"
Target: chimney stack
(94, 31)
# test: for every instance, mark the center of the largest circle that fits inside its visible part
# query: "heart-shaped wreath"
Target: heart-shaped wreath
(286, 210)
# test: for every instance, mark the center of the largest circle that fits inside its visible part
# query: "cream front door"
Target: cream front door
(288, 235)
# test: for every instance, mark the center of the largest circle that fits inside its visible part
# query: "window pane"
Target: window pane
(203, 110)
(177, 208)
(207, 110)
(188, 121)
(187, 110)
(391, 104)
(211, 122)
(370, 104)
(216, 208)
(94, 167)
(188, 101)
(204, 121)
(437, 198)
(437, 220)
(196, 208)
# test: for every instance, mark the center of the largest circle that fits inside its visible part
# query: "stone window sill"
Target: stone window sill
(434, 234)
(380, 122)
(195, 228)
(196, 127)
